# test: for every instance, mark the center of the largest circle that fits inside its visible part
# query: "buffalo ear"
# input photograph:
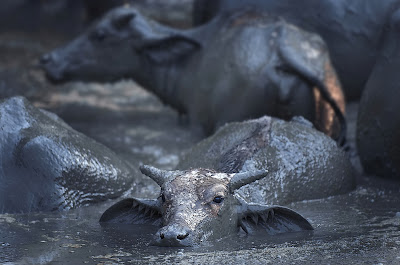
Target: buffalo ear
(169, 49)
(273, 220)
(307, 55)
(133, 211)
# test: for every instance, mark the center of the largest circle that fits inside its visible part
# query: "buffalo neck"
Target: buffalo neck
(162, 80)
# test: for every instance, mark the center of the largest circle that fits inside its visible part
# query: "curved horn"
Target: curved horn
(158, 175)
(240, 179)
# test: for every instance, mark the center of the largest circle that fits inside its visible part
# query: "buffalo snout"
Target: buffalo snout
(50, 63)
(173, 235)
(46, 58)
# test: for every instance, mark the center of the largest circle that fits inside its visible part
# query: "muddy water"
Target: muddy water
(362, 227)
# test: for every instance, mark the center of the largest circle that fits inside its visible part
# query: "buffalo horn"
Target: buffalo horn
(158, 175)
(240, 179)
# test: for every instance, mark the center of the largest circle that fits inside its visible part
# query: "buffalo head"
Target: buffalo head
(199, 205)
(113, 48)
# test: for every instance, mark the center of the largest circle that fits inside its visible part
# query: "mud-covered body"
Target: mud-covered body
(234, 68)
(46, 165)
(353, 30)
(378, 124)
(303, 163)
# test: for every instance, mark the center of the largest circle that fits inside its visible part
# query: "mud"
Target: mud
(362, 227)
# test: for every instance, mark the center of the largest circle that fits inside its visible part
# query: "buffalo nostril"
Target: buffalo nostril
(46, 58)
(162, 236)
(181, 237)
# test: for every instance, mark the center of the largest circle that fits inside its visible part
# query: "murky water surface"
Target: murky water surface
(362, 227)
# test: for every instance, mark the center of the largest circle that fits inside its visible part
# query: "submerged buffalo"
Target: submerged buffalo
(378, 124)
(46, 165)
(199, 205)
(264, 162)
(353, 30)
(234, 68)
(303, 163)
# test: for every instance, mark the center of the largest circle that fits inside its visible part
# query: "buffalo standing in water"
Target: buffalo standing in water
(354, 30)
(234, 68)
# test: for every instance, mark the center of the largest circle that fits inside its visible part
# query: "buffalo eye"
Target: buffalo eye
(218, 199)
(98, 35)
(163, 197)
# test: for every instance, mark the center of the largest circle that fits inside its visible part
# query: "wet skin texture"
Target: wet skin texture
(234, 68)
(46, 165)
(378, 124)
(353, 30)
(295, 155)
(199, 205)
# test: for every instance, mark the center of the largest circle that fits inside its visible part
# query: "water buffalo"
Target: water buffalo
(280, 161)
(353, 30)
(236, 67)
(199, 205)
(45, 165)
(378, 124)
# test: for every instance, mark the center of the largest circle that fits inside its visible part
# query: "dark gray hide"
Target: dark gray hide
(46, 165)
(353, 30)
(234, 68)
(378, 125)
(303, 163)
(199, 205)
